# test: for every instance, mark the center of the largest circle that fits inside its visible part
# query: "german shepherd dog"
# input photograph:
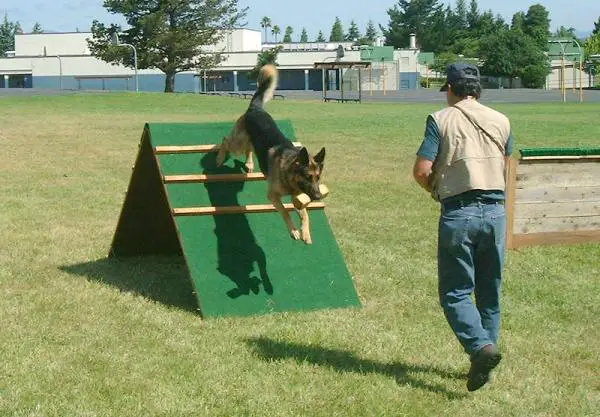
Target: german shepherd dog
(289, 171)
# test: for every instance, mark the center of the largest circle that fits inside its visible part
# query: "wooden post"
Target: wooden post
(581, 79)
(383, 72)
(511, 185)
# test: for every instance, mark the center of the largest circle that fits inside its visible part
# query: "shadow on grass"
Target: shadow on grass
(339, 360)
(160, 278)
(237, 248)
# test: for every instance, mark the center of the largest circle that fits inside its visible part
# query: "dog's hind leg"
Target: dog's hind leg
(276, 200)
(223, 149)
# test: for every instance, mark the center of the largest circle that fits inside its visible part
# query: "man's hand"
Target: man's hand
(422, 172)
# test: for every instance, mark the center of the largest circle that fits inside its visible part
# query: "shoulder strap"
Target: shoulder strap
(478, 126)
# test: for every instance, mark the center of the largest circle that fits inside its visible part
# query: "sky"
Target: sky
(314, 15)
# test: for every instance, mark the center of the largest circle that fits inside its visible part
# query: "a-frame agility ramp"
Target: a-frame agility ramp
(239, 255)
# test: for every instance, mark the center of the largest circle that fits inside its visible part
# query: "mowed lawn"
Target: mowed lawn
(84, 336)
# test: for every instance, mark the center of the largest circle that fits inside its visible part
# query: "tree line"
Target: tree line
(171, 35)
(515, 49)
(8, 30)
(337, 33)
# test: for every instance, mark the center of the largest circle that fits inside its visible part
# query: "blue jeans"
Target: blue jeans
(471, 244)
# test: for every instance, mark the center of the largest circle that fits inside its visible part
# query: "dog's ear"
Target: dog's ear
(303, 157)
(320, 157)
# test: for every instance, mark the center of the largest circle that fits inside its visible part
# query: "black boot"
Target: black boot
(482, 364)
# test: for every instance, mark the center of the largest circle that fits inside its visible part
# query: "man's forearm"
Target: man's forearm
(424, 180)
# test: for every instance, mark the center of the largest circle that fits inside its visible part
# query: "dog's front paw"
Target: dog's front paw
(307, 239)
(295, 234)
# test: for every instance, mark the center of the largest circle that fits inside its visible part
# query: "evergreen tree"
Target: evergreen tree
(287, 38)
(420, 17)
(537, 25)
(353, 33)
(564, 32)
(37, 28)
(518, 22)
(304, 36)
(168, 35)
(337, 31)
(462, 14)
(320, 37)
(596, 27)
(371, 32)
(473, 16)
(8, 30)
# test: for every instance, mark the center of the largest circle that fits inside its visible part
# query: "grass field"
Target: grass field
(122, 339)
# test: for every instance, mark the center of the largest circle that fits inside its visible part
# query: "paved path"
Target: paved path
(403, 96)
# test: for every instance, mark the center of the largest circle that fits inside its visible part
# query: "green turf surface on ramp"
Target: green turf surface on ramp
(239, 264)
(531, 152)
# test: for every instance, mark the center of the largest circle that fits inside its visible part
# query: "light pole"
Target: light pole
(114, 38)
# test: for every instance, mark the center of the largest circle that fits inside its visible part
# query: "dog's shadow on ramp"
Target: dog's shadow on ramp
(237, 249)
(404, 373)
(160, 278)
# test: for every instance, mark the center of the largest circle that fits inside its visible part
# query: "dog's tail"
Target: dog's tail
(267, 81)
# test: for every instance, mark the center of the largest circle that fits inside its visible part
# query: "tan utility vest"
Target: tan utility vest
(469, 158)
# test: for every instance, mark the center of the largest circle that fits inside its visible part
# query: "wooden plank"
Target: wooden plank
(560, 174)
(251, 176)
(252, 208)
(569, 158)
(554, 210)
(511, 185)
(558, 224)
(554, 238)
(551, 194)
(195, 148)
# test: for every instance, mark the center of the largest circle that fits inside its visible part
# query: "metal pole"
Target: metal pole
(134, 64)
(323, 82)
(342, 82)
(136, 68)
(60, 72)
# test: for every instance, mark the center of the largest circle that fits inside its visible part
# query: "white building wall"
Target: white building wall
(572, 77)
(52, 44)
(407, 60)
(15, 66)
(243, 46)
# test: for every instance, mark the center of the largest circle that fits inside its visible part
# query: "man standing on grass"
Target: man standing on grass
(462, 163)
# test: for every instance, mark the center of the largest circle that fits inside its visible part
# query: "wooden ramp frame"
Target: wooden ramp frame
(240, 258)
(553, 199)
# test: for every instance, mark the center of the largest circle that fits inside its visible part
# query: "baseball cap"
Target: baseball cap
(457, 72)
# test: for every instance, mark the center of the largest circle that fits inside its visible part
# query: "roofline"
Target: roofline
(89, 32)
(51, 33)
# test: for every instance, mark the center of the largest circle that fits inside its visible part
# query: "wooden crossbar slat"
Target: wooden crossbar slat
(252, 208)
(195, 148)
(253, 176)
(560, 158)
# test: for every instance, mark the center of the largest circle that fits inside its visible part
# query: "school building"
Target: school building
(64, 61)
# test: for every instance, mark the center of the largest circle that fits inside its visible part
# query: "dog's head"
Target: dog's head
(307, 172)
